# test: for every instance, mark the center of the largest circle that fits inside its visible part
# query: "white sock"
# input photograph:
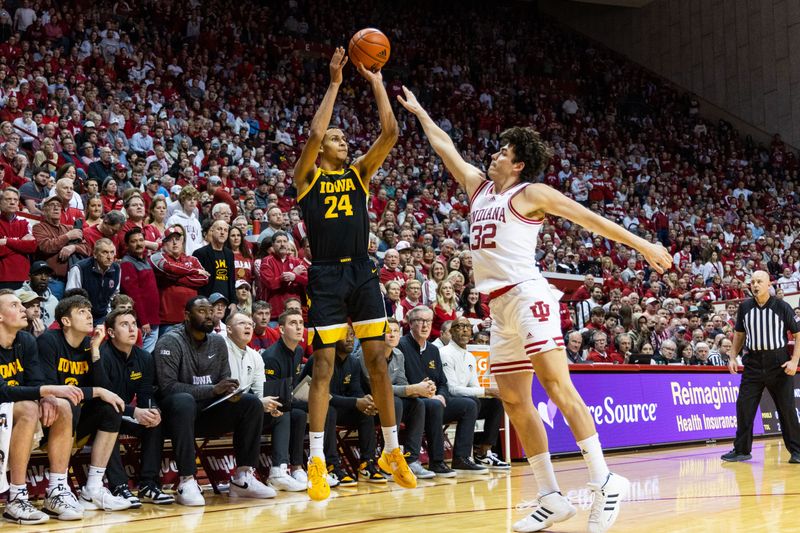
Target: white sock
(542, 468)
(17, 490)
(593, 455)
(95, 478)
(390, 438)
(56, 480)
(241, 472)
(316, 440)
(185, 479)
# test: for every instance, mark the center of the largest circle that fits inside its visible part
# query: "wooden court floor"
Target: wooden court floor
(686, 489)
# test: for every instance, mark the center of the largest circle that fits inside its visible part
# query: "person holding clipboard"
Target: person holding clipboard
(193, 374)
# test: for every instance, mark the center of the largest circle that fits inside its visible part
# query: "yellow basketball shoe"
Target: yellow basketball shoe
(394, 463)
(318, 488)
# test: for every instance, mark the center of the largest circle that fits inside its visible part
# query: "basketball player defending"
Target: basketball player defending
(342, 282)
(507, 212)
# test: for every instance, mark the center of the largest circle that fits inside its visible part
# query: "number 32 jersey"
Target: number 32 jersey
(334, 208)
(502, 240)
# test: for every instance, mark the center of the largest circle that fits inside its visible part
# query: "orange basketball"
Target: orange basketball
(370, 47)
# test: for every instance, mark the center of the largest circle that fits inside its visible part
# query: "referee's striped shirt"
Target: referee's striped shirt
(766, 326)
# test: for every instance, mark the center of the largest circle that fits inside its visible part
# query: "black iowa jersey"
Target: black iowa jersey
(64, 365)
(334, 208)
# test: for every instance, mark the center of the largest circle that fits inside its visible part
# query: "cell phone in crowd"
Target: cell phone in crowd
(78, 223)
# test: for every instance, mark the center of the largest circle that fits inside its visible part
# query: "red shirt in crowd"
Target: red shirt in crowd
(277, 290)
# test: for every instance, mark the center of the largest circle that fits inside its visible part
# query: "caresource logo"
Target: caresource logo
(606, 413)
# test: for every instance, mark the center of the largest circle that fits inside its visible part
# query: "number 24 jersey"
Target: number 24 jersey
(334, 208)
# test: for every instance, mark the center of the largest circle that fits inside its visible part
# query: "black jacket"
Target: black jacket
(282, 368)
(21, 373)
(426, 364)
(345, 382)
(131, 378)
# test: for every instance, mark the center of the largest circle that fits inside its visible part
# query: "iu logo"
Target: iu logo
(541, 311)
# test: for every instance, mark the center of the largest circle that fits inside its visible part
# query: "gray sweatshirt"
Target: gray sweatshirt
(397, 371)
(185, 365)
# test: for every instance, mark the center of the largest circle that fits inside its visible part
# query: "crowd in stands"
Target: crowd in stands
(146, 157)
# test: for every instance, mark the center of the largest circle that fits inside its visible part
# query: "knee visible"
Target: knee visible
(470, 407)
(26, 411)
(558, 391)
(180, 404)
(251, 405)
(323, 370)
(434, 407)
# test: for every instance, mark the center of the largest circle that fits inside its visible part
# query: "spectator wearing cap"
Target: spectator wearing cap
(139, 282)
(33, 311)
(282, 275)
(38, 283)
(141, 142)
(186, 216)
(651, 307)
(98, 275)
(115, 134)
(218, 260)
(16, 241)
(219, 193)
(178, 277)
(36, 190)
(219, 306)
(57, 242)
(103, 167)
(110, 227)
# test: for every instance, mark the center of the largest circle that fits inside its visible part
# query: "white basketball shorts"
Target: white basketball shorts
(526, 321)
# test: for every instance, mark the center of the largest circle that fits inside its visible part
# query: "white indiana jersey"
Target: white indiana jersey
(503, 241)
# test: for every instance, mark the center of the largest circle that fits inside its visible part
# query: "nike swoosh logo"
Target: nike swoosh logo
(374, 270)
(212, 356)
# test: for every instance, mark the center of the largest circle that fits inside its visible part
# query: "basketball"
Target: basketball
(370, 47)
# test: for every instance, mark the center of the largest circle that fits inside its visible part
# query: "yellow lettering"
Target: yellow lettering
(136, 375)
(11, 369)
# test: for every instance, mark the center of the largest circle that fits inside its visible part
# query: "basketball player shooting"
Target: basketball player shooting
(506, 213)
(342, 281)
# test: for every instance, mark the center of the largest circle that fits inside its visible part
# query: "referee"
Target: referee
(762, 324)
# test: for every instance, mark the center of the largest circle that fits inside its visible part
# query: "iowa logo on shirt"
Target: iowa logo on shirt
(11, 369)
(346, 380)
(76, 368)
(135, 375)
(71, 381)
(269, 372)
(432, 365)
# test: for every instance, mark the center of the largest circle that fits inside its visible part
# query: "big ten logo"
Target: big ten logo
(540, 311)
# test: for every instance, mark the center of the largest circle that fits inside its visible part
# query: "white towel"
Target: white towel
(6, 423)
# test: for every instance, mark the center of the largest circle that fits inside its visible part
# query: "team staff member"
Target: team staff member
(71, 356)
(131, 375)
(762, 324)
(422, 361)
(283, 364)
(342, 281)
(408, 406)
(461, 371)
(349, 406)
(21, 383)
(247, 367)
(192, 371)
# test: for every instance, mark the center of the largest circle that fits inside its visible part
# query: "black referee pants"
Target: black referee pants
(760, 372)
(152, 444)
